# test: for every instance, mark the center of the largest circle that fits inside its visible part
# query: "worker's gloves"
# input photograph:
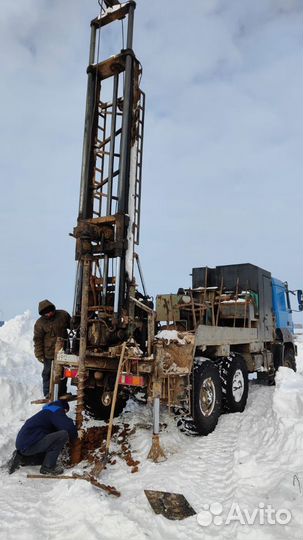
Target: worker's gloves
(41, 360)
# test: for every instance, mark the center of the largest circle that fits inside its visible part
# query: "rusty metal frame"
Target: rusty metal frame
(110, 129)
(109, 208)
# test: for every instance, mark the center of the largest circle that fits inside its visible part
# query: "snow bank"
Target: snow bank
(19, 332)
(288, 396)
(20, 379)
(299, 343)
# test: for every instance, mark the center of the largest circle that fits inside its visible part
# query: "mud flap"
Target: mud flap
(173, 506)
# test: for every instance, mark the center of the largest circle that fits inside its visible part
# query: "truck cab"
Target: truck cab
(285, 348)
(281, 306)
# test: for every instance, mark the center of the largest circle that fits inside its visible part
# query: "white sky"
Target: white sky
(222, 177)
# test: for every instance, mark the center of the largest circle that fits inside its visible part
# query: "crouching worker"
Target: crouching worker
(44, 433)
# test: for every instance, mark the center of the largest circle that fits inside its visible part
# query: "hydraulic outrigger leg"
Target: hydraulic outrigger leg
(156, 452)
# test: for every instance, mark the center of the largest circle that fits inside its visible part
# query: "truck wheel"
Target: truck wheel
(234, 379)
(206, 399)
(289, 359)
(95, 407)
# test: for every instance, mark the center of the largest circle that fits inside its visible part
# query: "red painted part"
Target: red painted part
(70, 373)
(132, 380)
(126, 379)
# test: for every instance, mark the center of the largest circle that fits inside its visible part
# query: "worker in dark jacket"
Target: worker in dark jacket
(45, 433)
(53, 323)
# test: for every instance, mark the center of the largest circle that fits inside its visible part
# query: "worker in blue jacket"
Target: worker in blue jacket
(45, 433)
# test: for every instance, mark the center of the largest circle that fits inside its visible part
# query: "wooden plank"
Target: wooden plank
(55, 477)
(115, 15)
(109, 67)
(101, 363)
(101, 220)
(109, 489)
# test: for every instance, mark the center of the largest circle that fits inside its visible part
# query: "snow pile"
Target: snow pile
(19, 332)
(170, 335)
(20, 379)
(299, 343)
(269, 459)
(111, 9)
(288, 396)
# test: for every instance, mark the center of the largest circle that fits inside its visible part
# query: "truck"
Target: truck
(241, 320)
(192, 350)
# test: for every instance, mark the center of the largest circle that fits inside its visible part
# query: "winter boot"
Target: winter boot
(15, 462)
(58, 469)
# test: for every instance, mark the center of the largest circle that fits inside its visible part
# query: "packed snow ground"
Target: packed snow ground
(252, 459)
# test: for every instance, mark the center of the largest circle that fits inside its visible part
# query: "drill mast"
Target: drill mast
(108, 224)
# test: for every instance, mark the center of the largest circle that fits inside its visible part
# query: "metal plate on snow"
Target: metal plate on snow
(170, 505)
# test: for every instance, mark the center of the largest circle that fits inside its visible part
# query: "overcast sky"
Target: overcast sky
(222, 177)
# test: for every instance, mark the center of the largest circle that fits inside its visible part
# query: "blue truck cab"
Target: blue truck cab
(285, 348)
(281, 305)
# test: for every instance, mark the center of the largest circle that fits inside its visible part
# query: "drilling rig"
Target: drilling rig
(108, 308)
(229, 323)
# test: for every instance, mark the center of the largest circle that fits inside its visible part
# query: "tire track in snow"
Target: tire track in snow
(201, 468)
(267, 459)
(212, 458)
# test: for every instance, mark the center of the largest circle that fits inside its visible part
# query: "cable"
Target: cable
(101, 2)
(122, 28)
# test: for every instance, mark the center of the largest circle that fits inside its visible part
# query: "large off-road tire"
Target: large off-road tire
(289, 359)
(234, 379)
(206, 397)
(95, 407)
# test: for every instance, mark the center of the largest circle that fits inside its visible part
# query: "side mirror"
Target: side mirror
(300, 299)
